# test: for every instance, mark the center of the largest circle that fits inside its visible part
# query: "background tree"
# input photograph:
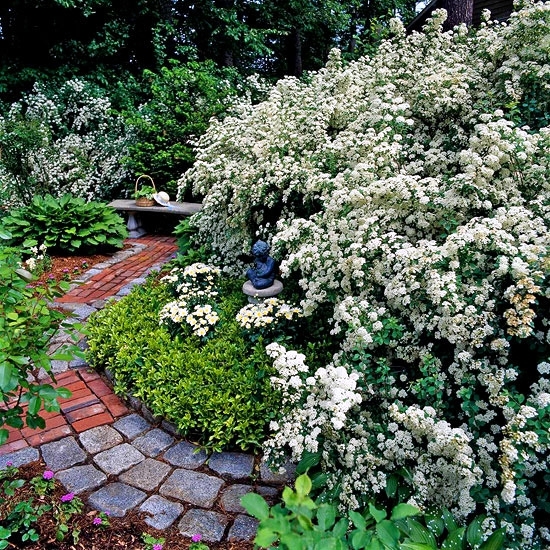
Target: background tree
(458, 11)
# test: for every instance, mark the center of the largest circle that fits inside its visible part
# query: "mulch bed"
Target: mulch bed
(124, 533)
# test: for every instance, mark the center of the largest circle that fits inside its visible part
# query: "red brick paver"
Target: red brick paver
(92, 402)
(159, 249)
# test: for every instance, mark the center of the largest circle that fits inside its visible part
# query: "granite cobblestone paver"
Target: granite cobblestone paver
(120, 459)
(192, 487)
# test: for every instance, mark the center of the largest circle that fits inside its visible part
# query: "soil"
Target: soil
(124, 533)
(68, 268)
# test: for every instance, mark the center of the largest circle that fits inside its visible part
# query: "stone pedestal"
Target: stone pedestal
(256, 295)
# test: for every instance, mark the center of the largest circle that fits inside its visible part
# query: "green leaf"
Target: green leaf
(34, 405)
(4, 434)
(326, 516)
(474, 535)
(358, 520)
(265, 537)
(419, 533)
(360, 539)
(415, 546)
(6, 371)
(404, 510)
(341, 528)
(308, 460)
(391, 485)
(293, 541)
(256, 506)
(495, 541)
(64, 393)
(303, 485)
(377, 514)
(454, 540)
(387, 532)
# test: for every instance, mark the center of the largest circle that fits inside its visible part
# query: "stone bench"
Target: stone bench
(135, 229)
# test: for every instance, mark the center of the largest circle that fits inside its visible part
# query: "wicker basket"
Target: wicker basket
(144, 201)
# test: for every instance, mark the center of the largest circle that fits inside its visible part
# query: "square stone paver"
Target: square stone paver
(118, 459)
(116, 498)
(192, 487)
(81, 478)
(100, 439)
(210, 525)
(230, 500)
(243, 528)
(153, 442)
(163, 512)
(186, 455)
(147, 475)
(20, 457)
(132, 425)
(232, 465)
(62, 454)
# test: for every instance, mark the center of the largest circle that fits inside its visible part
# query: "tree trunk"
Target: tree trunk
(458, 11)
(295, 61)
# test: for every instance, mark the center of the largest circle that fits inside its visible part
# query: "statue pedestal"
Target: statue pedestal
(256, 295)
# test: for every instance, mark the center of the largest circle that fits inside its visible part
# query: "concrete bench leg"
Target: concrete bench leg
(135, 230)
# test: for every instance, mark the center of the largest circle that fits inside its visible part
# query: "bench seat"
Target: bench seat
(135, 229)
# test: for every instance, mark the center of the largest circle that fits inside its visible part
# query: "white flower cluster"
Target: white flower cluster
(195, 286)
(331, 393)
(266, 313)
(38, 254)
(82, 142)
(201, 318)
(414, 207)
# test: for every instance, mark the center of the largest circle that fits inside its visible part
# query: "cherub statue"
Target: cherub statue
(263, 273)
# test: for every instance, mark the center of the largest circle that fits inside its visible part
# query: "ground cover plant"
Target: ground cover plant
(67, 224)
(408, 195)
(176, 345)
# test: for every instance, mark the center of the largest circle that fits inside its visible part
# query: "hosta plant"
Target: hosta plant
(68, 224)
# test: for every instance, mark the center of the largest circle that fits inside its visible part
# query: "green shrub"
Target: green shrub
(302, 523)
(215, 391)
(68, 224)
(183, 99)
(27, 327)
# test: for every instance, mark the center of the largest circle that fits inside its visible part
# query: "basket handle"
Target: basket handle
(146, 176)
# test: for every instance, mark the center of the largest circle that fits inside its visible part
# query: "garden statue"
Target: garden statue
(263, 273)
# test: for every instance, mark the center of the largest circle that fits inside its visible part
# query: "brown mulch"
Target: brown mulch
(123, 533)
(68, 268)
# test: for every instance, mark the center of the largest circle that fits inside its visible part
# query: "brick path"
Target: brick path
(107, 282)
(95, 436)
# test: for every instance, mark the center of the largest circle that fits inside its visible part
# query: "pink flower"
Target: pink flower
(67, 498)
(48, 474)
(196, 538)
(97, 521)
(157, 546)
(9, 463)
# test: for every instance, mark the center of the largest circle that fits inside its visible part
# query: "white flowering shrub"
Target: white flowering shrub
(272, 319)
(411, 201)
(195, 305)
(61, 141)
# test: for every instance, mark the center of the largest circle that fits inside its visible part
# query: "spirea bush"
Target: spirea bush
(410, 199)
(67, 140)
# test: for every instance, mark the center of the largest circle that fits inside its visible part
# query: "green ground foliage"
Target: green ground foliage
(217, 392)
(68, 224)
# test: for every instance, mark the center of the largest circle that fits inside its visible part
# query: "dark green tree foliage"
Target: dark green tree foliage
(69, 37)
(183, 99)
